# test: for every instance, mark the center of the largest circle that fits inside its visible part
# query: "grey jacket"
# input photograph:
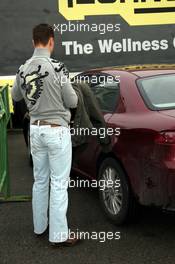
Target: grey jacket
(44, 85)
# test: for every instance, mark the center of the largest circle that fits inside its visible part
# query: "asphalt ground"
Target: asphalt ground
(148, 240)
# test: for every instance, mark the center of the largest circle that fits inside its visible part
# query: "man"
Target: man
(44, 85)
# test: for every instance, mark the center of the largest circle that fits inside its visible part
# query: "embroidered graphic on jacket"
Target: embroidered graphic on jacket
(32, 84)
(59, 66)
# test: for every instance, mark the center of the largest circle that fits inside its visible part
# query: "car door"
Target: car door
(107, 95)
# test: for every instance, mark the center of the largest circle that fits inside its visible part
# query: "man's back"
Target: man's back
(46, 89)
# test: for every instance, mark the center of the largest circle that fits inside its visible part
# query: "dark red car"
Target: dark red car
(142, 104)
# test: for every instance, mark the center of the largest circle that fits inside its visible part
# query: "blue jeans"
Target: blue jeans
(51, 150)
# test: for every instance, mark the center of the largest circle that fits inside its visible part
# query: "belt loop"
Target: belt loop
(38, 123)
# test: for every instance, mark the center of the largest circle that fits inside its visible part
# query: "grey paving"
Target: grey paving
(150, 240)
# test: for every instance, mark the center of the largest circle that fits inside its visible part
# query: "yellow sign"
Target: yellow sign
(10, 82)
(135, 12)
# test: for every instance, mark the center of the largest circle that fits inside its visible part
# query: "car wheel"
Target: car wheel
(115, 195)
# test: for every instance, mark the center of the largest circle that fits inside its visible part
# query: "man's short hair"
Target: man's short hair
(42, 33)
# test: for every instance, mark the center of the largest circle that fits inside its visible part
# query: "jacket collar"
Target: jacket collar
(41, 52)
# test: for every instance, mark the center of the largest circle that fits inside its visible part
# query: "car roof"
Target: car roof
(138, 70)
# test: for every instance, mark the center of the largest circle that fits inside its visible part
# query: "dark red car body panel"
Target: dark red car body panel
(150, 167)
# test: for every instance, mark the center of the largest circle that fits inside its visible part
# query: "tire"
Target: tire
(117, 202)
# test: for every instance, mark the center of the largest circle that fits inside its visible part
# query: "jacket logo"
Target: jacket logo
(32, 84)
(135, 12)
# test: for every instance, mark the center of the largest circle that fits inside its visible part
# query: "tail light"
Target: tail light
(167, 137)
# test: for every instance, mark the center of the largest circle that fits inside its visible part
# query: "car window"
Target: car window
(107, 95)
(105, 88)
(158, 92)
